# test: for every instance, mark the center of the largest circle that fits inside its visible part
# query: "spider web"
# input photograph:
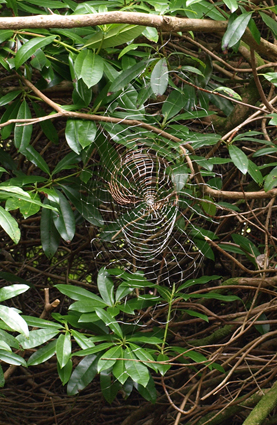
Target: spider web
(145, 208)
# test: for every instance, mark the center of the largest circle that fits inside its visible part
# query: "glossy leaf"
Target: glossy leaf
(64, 221)
(89, 67)
(200, 281)
(109, 389)
(105, 287)
(173, 104)
(11, 358)
(229, 92)
(239, 158)
(116, 35)
(127, 76)
(67, 162)
(37, 337)
(63, 349)
(13, 320)
(254, 172)
(43, 354)
(119, 369)
(50, 237)
(33, 156)
(271, 23)
(22, 133)
(4, 100)
(235, 30)
(136, 370)
(83, 374)
(10, 225)
(29, 48)
(271, 180)
(163, 367)
(144, 356)
(149, 392)
(108, 359)
(109, 321)
(159, 77)
(77, 293)
(231, 4)
(11, 291)
(65, 372)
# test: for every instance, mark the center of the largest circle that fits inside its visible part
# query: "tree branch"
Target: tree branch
(164, 23)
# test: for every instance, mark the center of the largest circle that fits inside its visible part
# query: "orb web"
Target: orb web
(143, 216)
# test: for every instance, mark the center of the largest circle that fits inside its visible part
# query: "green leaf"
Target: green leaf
(4, 346)
(23, 133)
(50, 237)
(271, 23)
(11, 358)
(67, 162)
(149, 392)
(109, 389)
(254, 172)
(235, 30)
(5, 100)
(143, 355)
(11, 291)
(83, 374)
(87, 209)
(105, 287)
(65, 372)
(116, 35)
(136, 370)
(80, 133)
(41, 323)
(208, 207)
(89, 67)
(231, 4)
(109, 321)
(93, 350)
(87, 306)
(63, 349)
(79, 294)
(43, 354)
(246, 244)
(228, 92)
(162, 367)
(13, 320)
(196, 314)
(108, 359)
(119, 369)
(212, 296)
(200, 281)
(9, 339)
(33, 156)
(239, 158)
(37, 337)
(151, 34)
(65, 220)
(179, 176)
(82, 340)
(29, 48)
(159, 77)
(72, 135)
(271, 180)
(10, 225)
(173, 104)
(126, 76)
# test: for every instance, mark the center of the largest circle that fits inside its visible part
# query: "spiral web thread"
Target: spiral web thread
(144, 218)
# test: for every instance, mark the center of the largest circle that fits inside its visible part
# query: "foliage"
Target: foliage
(76, 96)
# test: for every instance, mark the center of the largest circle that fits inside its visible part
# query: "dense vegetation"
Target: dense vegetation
(121, 304)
